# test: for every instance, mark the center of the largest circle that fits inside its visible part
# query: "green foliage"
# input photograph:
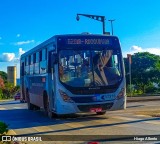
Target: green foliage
(151, 89)
(8, 91)
(3, 128)
(3, 75)
(145, 71)
(1, 94)
(1, 82)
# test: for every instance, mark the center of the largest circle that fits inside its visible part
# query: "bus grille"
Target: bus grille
(86, 108)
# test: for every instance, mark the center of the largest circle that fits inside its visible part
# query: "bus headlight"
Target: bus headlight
(121, 94)
(64, 96)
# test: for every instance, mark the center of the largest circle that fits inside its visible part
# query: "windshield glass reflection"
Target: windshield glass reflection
(86, 68)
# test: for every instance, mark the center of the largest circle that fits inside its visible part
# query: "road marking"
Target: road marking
(79, 125)
(125, 118)
(135, 119)
(74, 125)
(123, 125)
(110, 122)
(42, 129)
(11, 132)
(153, 122)
(143, 116)
(17, 107)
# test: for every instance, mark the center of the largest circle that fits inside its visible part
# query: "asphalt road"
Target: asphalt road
(136, 120)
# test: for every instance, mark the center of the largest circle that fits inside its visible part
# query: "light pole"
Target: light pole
(129, 56)
(95, 17)
(111, 25)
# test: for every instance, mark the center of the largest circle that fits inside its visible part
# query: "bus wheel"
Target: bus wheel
(101, 113)
(46, 105)
(30, 106)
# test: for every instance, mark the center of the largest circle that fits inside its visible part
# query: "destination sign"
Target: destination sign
(86, 41)
(81, 41)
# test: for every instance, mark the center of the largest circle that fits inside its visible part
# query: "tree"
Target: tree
(145, 70)
(3, 128)
(1, 83)
(7, 90)
(3, 76)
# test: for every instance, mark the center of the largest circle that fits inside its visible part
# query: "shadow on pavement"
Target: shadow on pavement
(23, 118)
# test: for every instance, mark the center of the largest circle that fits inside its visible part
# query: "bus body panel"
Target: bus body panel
(110, 105)
(37, 86)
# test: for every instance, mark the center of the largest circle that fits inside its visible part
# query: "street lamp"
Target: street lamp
(129, 56)
(95, 17)
(111, 25)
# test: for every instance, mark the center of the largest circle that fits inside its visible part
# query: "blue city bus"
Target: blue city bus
(74, 73)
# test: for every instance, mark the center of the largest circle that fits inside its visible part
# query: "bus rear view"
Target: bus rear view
(85, 74)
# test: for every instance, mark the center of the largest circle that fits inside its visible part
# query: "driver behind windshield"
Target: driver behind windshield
(104, 73)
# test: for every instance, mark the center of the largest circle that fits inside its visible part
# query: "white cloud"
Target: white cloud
(21, 51)
(24, 42)
(155, 51)
(7, 57)
(18, 35)
(17, 59)
(136, 49)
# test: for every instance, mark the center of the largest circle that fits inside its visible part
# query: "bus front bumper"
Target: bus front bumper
(87, 108)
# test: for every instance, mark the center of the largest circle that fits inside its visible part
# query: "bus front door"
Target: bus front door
(52, 79)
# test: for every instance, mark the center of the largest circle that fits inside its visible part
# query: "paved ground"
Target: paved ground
(133, 121)
(143, 98)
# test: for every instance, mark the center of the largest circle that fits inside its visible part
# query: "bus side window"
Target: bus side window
(36, 63)
(31, 65)
(43, 61)
(27, 65)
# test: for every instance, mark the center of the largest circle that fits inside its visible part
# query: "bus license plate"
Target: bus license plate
(95, 109)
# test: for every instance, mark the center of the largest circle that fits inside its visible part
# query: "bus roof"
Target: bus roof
(52, 40)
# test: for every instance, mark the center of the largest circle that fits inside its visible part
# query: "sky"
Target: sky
(27, 23)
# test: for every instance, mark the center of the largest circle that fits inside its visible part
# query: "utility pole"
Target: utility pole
(129, 56)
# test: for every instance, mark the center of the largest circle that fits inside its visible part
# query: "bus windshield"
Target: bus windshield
(90, 68)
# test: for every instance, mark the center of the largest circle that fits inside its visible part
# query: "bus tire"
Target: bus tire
(46, 105)
(30, 106)
(101, 113)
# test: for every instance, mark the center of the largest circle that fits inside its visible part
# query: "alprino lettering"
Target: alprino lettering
(88, 41)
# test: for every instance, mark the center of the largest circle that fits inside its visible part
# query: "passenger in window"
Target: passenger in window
(100, 71)
(85, 68)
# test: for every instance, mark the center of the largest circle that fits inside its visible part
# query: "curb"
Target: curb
(140, 99)
(6, 100)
